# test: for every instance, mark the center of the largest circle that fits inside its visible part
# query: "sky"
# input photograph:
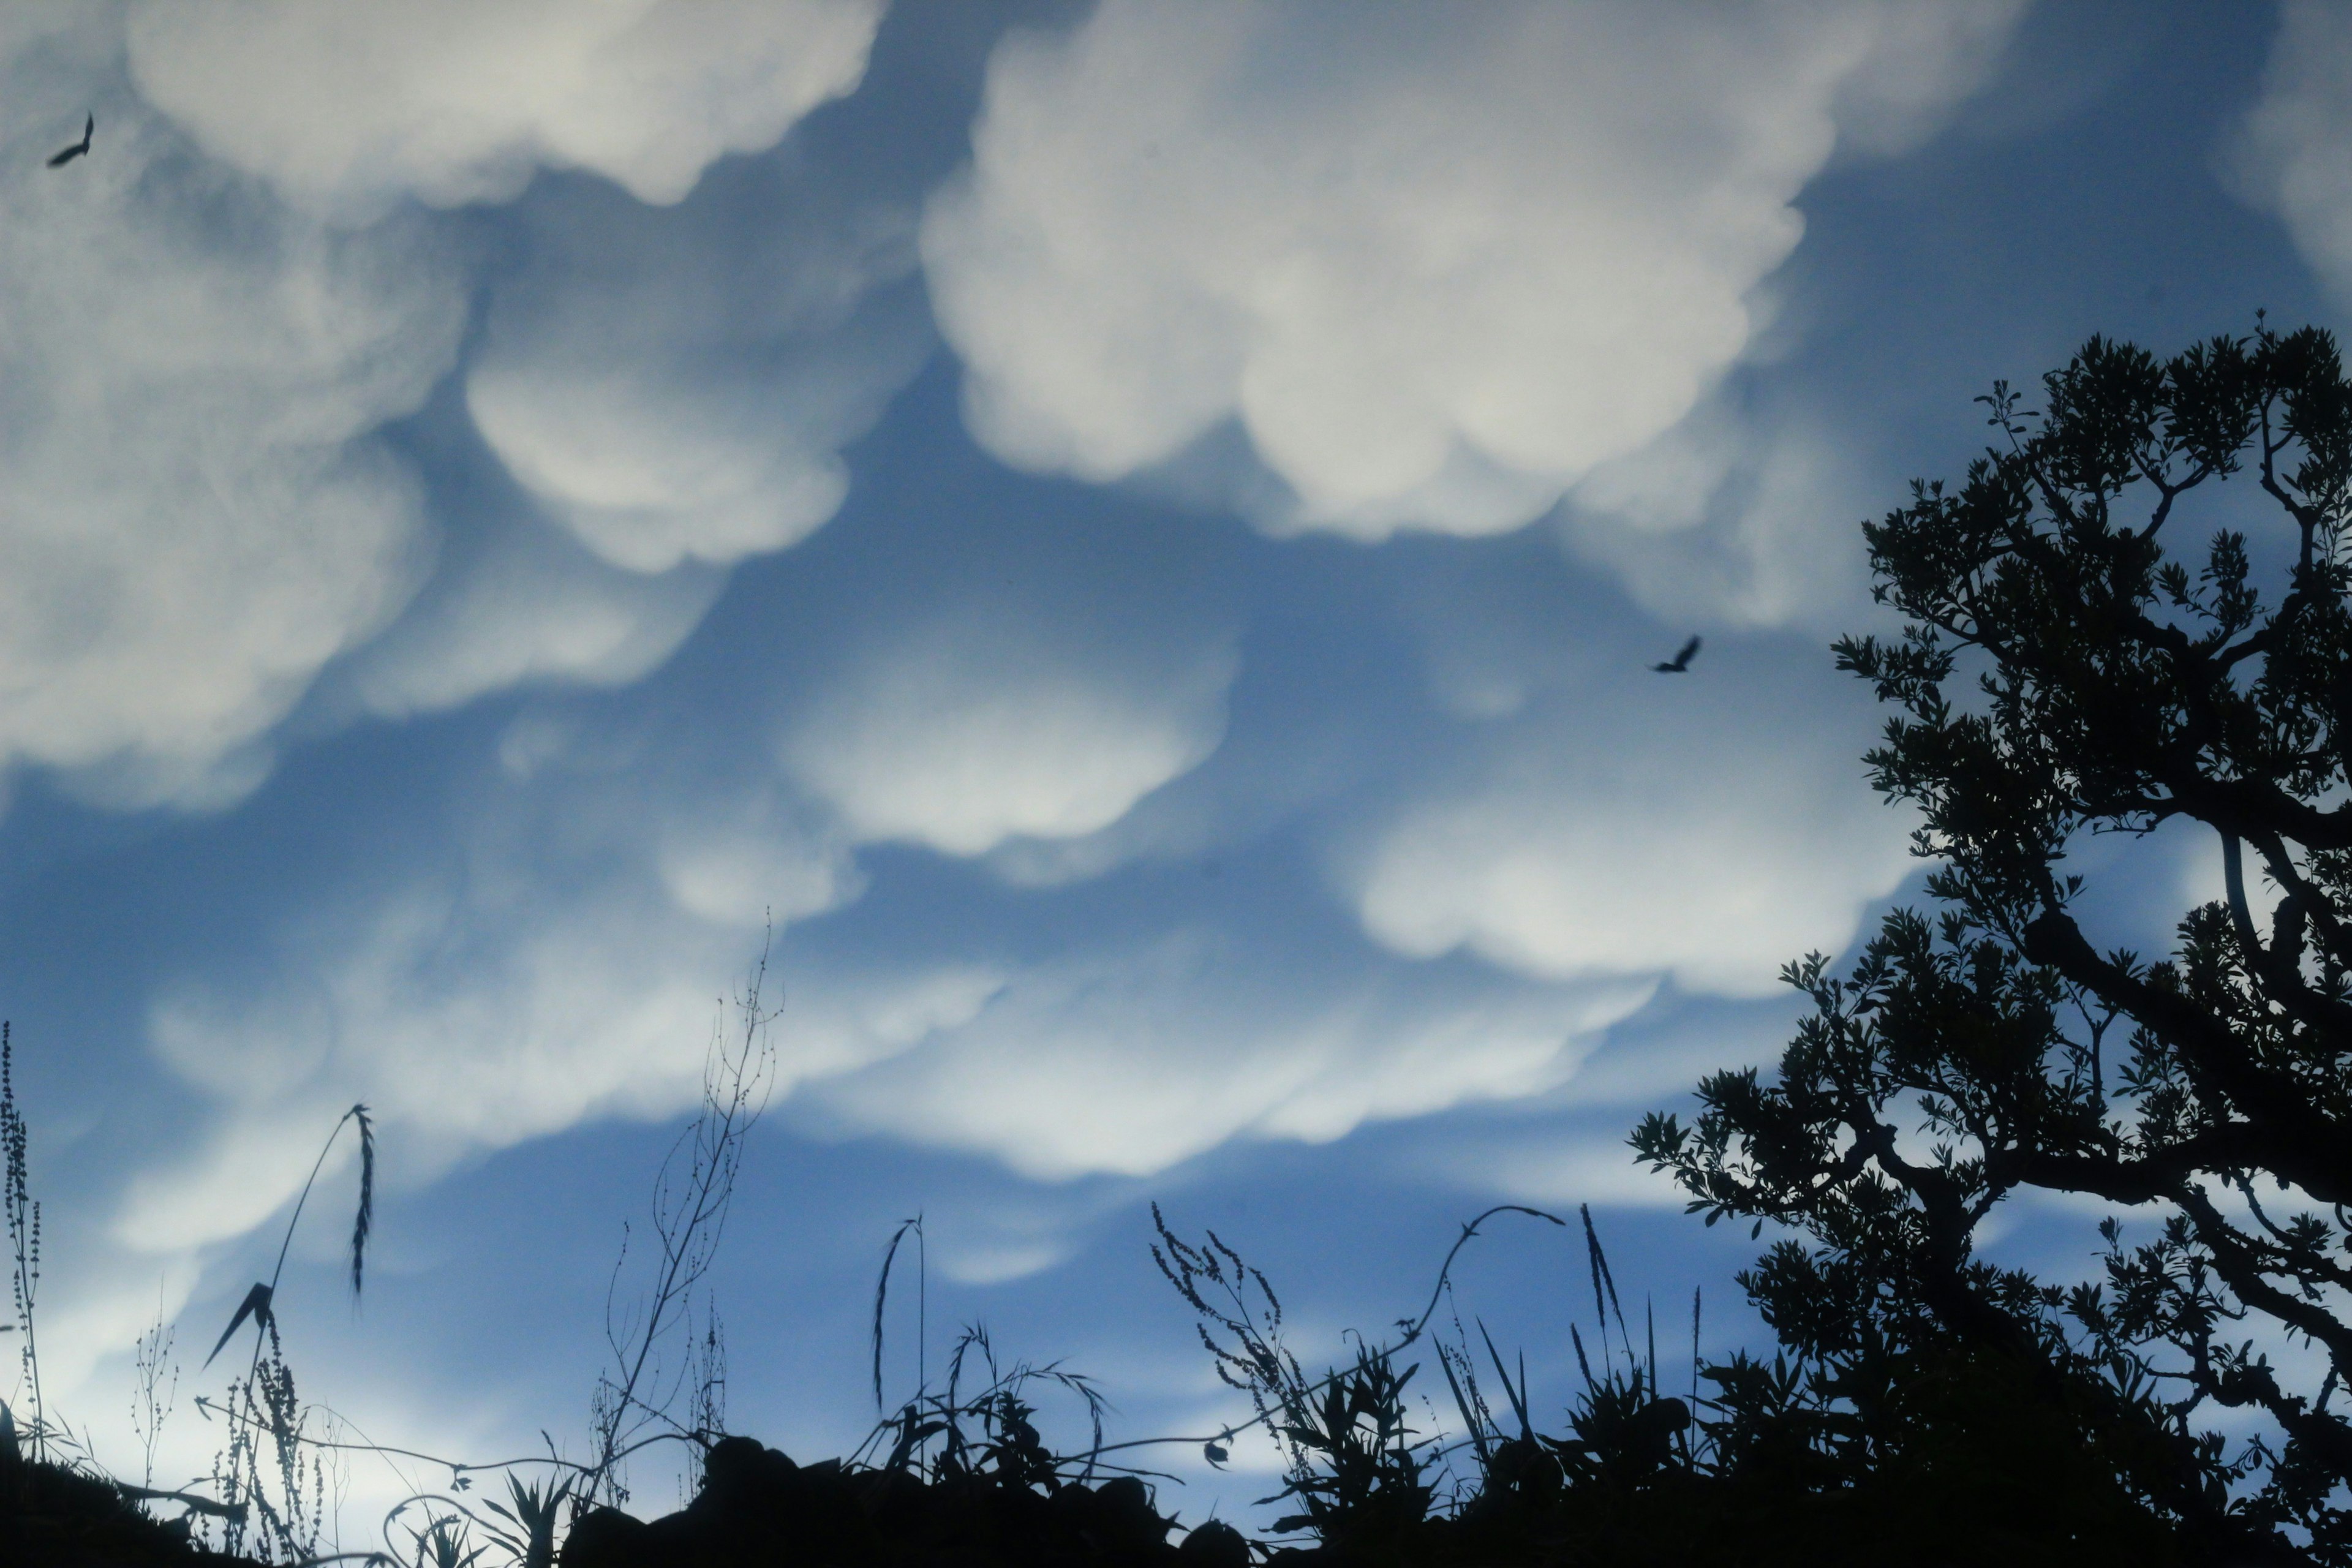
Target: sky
(1120, 544)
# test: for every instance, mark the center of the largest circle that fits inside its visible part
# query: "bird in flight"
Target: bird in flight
(67, 155)
(1680, 662)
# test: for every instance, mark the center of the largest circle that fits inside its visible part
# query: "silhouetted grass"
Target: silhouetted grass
(1883, 1456)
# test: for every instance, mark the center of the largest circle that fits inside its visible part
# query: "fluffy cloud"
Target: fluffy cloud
(571, 964)
(1436, 265)
(348, 108)
(201, 513)
(463, 1043)
(981, 727)
(1633, 829)
(673, 386)
(194, 514)
(641, 472)
(519, 605)
(1131, 1058)
(670, 384)
(1730, 519)
(2296, 149)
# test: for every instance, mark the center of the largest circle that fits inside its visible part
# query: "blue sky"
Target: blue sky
(1133, 535)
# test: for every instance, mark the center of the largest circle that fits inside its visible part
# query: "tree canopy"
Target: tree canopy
(2059, 674)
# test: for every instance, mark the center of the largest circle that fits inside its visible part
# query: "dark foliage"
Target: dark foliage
(56, 1516)
(756, 1506)
(1829, 1459)
(2061, 675)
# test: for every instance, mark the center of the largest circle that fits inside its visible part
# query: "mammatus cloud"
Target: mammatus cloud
(673, 386)
(346, 110)
(469, 1023)
(1133, 1057)
(1728, 519)
(524, 605)
(2295, 151)
(1633, 829)
(570, 963)
(983, 727)
(200, 513)
(669, 383)
(1436, 265)
(194, 516)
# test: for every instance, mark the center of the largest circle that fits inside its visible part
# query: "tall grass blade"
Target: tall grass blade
(24, 1224)
(1601, 1276)
(1650, 1319)
(1600, 1303)
(1517, 1393)
(882, 1297)
(1470, 1423)
(255, 1306)
(1695, 1290)
(365, 1221)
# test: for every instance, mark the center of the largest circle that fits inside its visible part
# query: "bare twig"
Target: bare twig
(691, 1198)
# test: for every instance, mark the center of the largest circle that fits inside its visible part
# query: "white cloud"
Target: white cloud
(670, 387)
(465, 1041)
(199, 513)
(528, 606)
(347, 109)
(548, 981)
(194, 516)
(1131, 1058)
(747, 861)
(1629, 829)
(675, 386)
(1437, 265)
(1729, 519)
(978, 727)
(2295, 151)
(638, 472)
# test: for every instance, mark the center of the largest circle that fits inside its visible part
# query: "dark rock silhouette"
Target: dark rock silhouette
(756, 1506)
(53, 1517)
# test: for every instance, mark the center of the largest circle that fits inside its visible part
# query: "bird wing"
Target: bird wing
(1689, 649)
(63, 156)
(255, 1306)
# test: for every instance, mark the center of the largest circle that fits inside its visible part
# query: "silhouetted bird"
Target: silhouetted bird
(67, 155)
(1680, 662)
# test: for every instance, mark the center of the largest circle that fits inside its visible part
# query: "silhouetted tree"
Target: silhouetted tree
(2059, 676)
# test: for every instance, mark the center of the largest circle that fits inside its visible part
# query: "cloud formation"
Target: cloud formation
(1128, 1058)
(569, 963)
(1436, 266)
(987, 724)
(523, 605)
(346, 110)
(1731, 518)
(2295, 150)
(1630, 827)
(675, 385)
(201, 510)
(196, 514)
